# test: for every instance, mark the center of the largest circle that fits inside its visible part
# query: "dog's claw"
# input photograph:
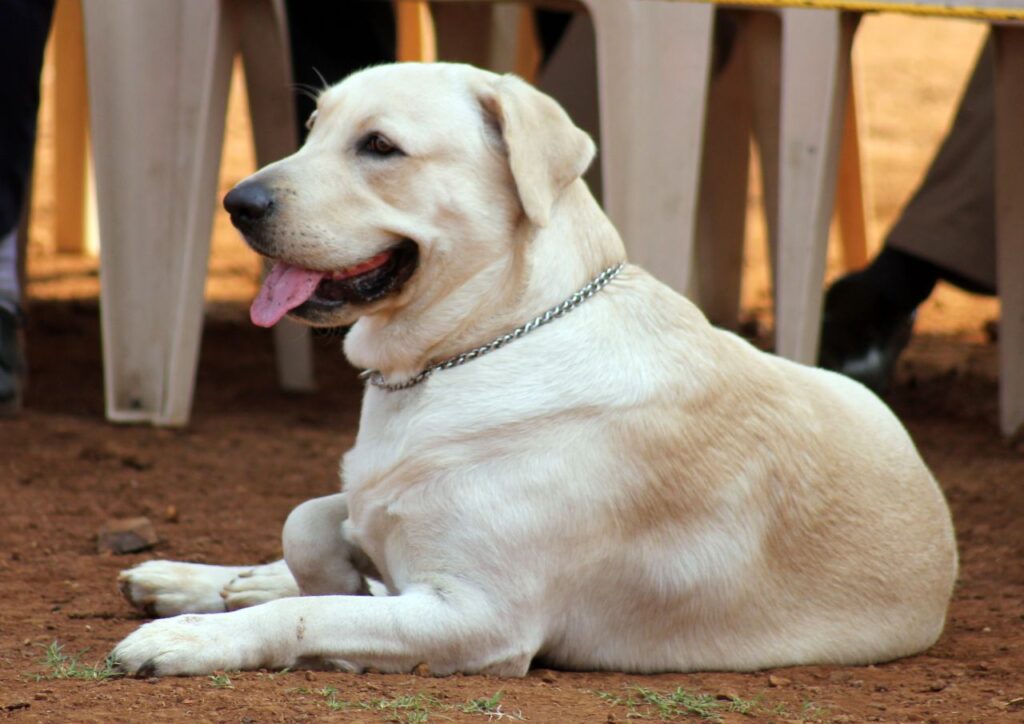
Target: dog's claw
(125, 587)
(147, 670)
(117, 666)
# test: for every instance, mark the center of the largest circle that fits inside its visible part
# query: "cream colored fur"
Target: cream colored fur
(626, 488)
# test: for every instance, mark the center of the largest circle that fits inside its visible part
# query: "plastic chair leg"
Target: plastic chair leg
(268, 77)
(1009, 42)
(815, 71)
(653, 66)
(158, 80)
(762, 32)
(462, 32)
(721, 219)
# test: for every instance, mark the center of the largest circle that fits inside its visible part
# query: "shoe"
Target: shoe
(12, 362)
(863, 332)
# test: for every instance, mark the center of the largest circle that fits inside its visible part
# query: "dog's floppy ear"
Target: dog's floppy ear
(546, 151)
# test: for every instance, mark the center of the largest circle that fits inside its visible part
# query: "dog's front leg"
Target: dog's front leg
(447, 631)
(319, 561)
(318, 555)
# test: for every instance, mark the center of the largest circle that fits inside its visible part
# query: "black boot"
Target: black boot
(869, 315)
(12, 362)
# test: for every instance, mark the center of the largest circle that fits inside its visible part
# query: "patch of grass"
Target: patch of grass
(412, 708)
(680, 703)
(69, 666)
(609, 698)
(221, 681)
(812, 711)
(747, 707)
(491, 707)
(485, 705)
(644, 703)
(272, 674)
(779, 710)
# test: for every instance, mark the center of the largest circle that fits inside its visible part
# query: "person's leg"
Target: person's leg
(10, 287)
(24, 25)
(12, 363)
(945, 232)
(950, 220)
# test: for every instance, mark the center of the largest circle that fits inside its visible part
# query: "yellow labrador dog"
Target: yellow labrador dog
(611, 484)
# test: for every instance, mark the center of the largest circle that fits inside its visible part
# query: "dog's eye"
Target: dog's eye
(378, 145)
(310, 121)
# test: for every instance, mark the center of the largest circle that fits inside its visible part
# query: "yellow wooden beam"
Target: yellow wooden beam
(72, 127)
(870, 6)
(850, 191)
(414, 25)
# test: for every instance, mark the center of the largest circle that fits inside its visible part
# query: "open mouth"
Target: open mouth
(310, 293)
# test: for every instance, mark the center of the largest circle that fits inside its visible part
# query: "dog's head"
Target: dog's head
(413, 175)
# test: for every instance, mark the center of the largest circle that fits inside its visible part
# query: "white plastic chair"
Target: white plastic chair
(1009, 44)
(159, 72)
(816, 48)
(759, 92)
(815, 71)
(654, 64)
(654, 59)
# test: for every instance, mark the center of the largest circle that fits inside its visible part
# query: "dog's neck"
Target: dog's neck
(547, 266)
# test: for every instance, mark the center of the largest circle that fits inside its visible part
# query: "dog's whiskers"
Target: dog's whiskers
(307, 90)
(322, 79)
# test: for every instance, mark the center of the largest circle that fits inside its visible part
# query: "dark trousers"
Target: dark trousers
(24, 26)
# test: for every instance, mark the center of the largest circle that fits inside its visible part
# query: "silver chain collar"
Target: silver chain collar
(375, 378)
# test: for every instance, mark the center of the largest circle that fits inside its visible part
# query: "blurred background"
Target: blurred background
(908, 73)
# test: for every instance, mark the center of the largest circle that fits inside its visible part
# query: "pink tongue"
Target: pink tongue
(285, 288)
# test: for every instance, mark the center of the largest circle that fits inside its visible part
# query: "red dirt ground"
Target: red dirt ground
(219, 491)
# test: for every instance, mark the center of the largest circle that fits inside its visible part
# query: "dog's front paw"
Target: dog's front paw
(193, 644)
(168, 588)
(259, 585)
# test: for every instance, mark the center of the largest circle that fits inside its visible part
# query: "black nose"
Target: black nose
(248, 203)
